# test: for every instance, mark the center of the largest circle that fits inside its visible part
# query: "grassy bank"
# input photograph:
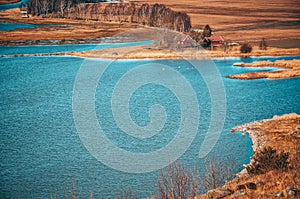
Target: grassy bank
(281, 133)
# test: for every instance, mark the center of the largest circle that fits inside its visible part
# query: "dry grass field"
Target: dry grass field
(241, 20)
(282, 134)
(236, 20)
(64, 29)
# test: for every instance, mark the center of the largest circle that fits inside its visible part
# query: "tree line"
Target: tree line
(156, 15)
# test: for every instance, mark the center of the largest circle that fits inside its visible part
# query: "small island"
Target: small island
(287, 69)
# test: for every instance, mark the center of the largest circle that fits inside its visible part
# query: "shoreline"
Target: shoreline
(142, 53)
(281, 133)
(154, 51)
(261, 136)
(256, 138)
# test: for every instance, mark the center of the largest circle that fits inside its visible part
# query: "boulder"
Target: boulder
(239, 193)
(219, 193)
(260, 184)
(240, 187)
(292, 191)
(251, 185)
(275, 195)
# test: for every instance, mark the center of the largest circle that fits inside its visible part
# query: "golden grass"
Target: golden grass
(290, 68)
(240, 20)
(283, 134)
(236, 20)
(65, 29)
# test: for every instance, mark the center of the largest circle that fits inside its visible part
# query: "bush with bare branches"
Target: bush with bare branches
(177, 181)
(217, 173)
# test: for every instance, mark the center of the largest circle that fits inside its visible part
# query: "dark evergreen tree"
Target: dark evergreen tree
(207, 31)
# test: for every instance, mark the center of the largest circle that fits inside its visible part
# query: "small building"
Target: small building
(24, 12)
(213, 41)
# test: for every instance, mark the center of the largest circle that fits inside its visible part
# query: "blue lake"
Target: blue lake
(13, 26)
(11, 6)
(44, 49)
(41, 152)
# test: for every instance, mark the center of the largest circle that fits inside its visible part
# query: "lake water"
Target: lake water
(45, 49)
(41, 152)
(13, 26)
(10, 6)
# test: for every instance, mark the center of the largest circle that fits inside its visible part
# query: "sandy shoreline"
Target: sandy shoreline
(262, 135)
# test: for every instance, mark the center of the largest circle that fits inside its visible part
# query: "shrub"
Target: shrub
(268, 159)
(246, 48)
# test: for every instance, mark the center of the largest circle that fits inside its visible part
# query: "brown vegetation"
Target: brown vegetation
(156, 53)
(238, 21)
(156, 15)
(64, 29)
(241, 20)
(290, 68)
(281, 133)
(177, 181)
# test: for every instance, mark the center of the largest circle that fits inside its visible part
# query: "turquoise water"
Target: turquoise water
(41, 152)
(45, 49)
(10, 6)
(14, 26)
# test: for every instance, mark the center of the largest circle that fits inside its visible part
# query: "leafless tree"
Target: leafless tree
(217, 173)
(62, 6)
(127, 194)
(157, 15)
(177, 181)
(44, 7)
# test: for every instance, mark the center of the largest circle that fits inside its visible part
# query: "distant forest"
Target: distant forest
(157, 15)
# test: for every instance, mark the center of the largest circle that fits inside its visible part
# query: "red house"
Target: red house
(214, 41)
